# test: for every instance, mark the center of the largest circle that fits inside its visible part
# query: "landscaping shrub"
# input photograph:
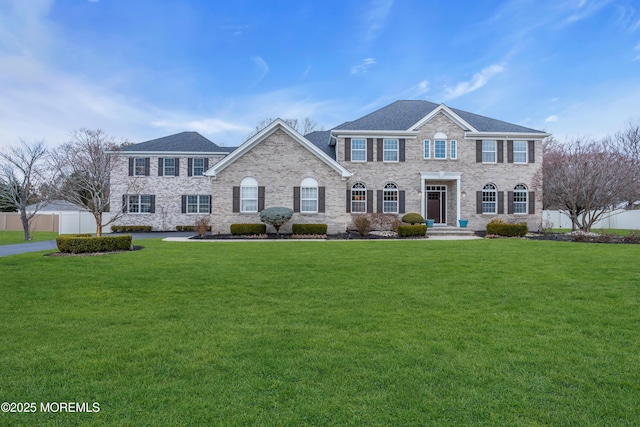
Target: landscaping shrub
(384, 222)
(130, 228)
(309, 228)
(276, 217)
(79, 245)
(362, 224)
(202, 226)
(500, 228)
(185, 227)
(244, 229)
(413, 218)
(412, 230)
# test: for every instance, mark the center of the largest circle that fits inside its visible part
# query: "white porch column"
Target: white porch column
(458, 195)
(423, 211)
(442, 176)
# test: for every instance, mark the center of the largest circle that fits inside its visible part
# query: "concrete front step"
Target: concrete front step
(449, 231)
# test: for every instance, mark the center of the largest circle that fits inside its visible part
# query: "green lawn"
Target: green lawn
(11, 237)
(616, 231)
(389, 333)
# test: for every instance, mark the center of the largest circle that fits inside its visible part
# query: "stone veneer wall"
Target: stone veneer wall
(167, 190)
(474, 175)
(279, 163)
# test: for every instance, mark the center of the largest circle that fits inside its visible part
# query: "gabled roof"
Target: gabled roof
(264, 134)
(183, 142)
(405, 114)
(321, 139)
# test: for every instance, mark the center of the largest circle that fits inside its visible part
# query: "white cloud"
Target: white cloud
(585, 9)
(552, 118)
(376, 16)
(477, 81)
(262, 67)
(364, 67)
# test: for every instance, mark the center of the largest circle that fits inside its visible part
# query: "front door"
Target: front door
(437, 203)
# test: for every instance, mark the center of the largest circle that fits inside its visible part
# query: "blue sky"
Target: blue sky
(142, 69)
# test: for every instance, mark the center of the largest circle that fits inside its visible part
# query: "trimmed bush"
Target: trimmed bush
(130, 228)
(412, 230)
(413, 218)
(309, 228)
(276, 216)
(500, 228)
(362, 224)
(80, 245)
(185, 227)
(244, 229)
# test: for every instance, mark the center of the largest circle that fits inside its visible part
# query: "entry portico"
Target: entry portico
(435, 190)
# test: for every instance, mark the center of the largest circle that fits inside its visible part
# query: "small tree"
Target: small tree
(276, 217)
(83, 166)
(23, 174)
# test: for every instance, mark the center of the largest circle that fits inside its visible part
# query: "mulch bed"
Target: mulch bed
(61, 254)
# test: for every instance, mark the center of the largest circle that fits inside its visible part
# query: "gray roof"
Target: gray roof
(57, 206)
(320, 139)
(401, 115)
(190, 142)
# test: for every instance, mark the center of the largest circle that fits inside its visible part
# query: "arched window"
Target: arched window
(309, 195)
(358, 198)
(390, 198)
(520, 199)
(249, 195)
(489, 199)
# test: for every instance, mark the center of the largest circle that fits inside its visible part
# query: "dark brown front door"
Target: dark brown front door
(433, 206)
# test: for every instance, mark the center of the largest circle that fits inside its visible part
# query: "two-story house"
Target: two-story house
(410, 156)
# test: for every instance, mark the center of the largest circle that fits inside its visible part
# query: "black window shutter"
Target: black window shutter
(347, 149)
(184, 204)
(153, 204)
(147, 166)
(401, 148)
(532, 202)
(501, 202)
(124, 203)
(380, 149)
(532, 151)
(510, 151)
(369, 149)
(321, 193)
(206, 164)
(236, 199)
(296, 199)
(209, 203)
(478, 202)
(131, 166)
(509, 202)
(189, 166)
(401, 201)
(348, 200)
(160, 166)
(369, 201)
(500, 151)
(260, 199)
(478, 151)
(379, 201)
(177, 162)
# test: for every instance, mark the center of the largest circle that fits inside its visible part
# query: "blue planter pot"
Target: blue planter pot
(463, 223)
(430, 223)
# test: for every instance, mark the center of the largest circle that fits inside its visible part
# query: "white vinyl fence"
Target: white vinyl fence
(79, 223)
(620, 218)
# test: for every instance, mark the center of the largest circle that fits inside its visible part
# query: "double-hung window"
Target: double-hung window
(358, 198)
(489, 150)
(309, 195)
(520, 199)
(139, 166)
(453, 149)
(489, 199)
(198, 167)
(169, 167)
(248, 195)
(358, 150)
(198, 204)
(139, 203)
(390, 198)
(520, 149)
(440, 149)
(390, 150)
(427, 149)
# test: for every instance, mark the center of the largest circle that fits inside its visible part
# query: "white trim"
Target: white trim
(264, 134)
(398, 134)
(447, 112)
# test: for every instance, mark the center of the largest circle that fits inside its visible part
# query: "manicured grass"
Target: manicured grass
(11, 237)
(389, 333)
(616, 231)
